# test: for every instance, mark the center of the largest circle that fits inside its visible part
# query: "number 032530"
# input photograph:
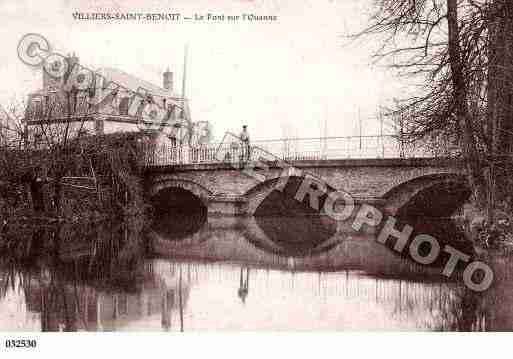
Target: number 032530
(20, 343)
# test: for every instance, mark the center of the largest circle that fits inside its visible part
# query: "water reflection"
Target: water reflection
(229, 275)
(297, 236)
(445, 230)
(244, 284)
(188, 224)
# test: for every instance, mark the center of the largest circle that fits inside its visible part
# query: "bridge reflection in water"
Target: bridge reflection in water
(229, 274)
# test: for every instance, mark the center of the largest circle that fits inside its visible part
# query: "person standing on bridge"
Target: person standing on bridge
(244, 136)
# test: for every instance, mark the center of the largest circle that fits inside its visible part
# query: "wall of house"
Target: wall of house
(112, 127)
(56, 132)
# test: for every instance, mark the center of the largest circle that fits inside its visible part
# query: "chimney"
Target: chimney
(168, 80)
(72, 60)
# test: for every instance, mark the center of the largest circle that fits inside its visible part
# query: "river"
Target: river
(193, 274)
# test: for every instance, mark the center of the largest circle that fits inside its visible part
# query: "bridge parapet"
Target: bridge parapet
(298, 149)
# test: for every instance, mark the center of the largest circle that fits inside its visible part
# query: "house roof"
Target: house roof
(130, 82)
(134, 83)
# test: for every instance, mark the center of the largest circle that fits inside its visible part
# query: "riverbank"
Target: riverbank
(489, 239)
(91, 179)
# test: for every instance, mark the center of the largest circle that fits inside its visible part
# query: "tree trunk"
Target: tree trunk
(461, 110)
(500, 96)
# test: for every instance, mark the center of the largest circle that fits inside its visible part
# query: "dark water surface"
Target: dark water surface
(272, 273)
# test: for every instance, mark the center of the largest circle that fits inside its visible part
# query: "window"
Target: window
(37, 140)
(82, 132)
(123, 106)
(37, 108)
(99, 127)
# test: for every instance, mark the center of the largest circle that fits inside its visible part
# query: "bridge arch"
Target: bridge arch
(181, 208)
(257, 195)
(197, 190)
(436, 195)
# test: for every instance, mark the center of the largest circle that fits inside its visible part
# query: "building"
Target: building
(55, 112)
(158, 303)
(4, 127)
(10, 133)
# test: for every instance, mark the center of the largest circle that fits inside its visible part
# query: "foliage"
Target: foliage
(460, 53)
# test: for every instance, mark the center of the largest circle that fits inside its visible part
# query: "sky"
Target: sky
(295, 76)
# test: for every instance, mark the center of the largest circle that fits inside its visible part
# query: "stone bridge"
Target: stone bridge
(414, 186)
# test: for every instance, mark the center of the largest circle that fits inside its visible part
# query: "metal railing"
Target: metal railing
(294, 149)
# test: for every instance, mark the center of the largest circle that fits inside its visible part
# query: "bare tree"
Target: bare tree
(11, 124)
(11, 148)
(461, 54)
(51, 122)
